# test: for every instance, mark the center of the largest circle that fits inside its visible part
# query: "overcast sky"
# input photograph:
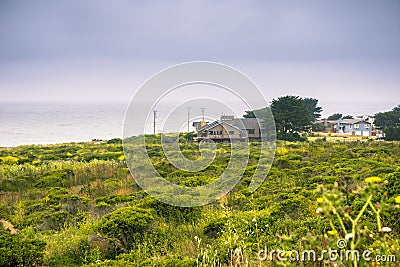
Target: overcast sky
(345, 53)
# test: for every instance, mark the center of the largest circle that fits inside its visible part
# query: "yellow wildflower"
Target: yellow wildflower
(281, 151)
(373, 179)
(397, 199)
(46, 199)
(320, 200)
(332, 232)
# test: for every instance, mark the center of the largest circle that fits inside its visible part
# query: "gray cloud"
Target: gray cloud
(102, 50)
(185, 30)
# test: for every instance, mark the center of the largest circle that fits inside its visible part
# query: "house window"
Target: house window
(366, 126)
(250, 131)
(231, 132)
(216, 132)
(356, 126)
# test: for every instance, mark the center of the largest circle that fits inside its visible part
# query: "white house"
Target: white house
(354, 127)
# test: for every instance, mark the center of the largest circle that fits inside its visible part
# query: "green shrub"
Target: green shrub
(56, 220)
(173, 213)
(115, 141)
(9, 160)
(128, 225)
(214, 227)
(176, 261)
(15, 250)
(55, 178)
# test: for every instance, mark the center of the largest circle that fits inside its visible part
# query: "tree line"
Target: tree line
(389, 123)
(294, 115)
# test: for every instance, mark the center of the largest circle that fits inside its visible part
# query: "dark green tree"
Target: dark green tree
(389, 123)
(348, 117)
(335, 116)
(249, 114)
(312, 106)
(317, 127)
(294, 114)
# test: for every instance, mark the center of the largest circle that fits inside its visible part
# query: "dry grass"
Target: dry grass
(340, 137)
(9, 226)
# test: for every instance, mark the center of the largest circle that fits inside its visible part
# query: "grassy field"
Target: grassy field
(340, 137)
(77, 204)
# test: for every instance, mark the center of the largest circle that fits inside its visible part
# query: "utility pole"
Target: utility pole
(188, 119)
(188, 124)
(202, 112)
(154, 121)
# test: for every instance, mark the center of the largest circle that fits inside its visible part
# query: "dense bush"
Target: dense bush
(81, 200)
(128, 225)
(55, 178)
(17, 250)
(173, 213)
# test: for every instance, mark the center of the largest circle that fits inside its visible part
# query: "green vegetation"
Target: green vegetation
(347, 117)
(20, 250)
(292, 114)
(295, 115)
(389, 122)
(335, 116)
(77, 205)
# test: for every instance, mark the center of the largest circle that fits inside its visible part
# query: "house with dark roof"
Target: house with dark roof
(229, 128)
(354, 127)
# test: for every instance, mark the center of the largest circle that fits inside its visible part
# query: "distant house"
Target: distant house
(327, 123)
(367, 118)
(229, 128)
(354, 127)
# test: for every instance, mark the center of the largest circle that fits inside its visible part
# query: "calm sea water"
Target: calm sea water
(49, 123)
(36, 123)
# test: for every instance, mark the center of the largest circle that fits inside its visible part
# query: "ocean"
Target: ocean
(49, 123)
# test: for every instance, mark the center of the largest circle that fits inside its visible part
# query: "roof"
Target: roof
(246, 123)
(216, 123)
(352, 121)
